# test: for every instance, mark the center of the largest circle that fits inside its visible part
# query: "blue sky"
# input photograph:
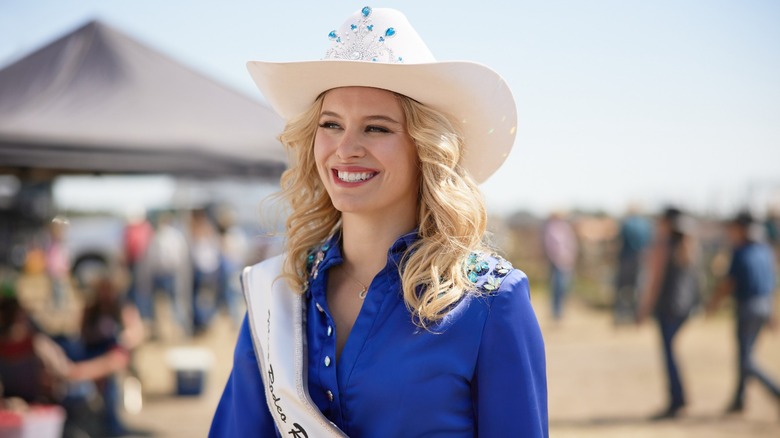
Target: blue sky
(618, 100)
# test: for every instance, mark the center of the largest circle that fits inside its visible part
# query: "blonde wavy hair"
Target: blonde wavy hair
(451, 213)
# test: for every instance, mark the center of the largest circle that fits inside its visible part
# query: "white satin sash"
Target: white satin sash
(277, 321)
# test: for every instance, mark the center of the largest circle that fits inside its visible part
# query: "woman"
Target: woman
(386, 316)
(108, 325)
(559, 242)
(36, 369)
(673, 292)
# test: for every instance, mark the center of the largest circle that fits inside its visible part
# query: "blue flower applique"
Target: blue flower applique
(486, 271)
(313, 260)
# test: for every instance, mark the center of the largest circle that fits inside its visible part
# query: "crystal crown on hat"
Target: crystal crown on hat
(361, 42)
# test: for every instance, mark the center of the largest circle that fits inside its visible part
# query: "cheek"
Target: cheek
(413, 160)
(320, 152)
(318, 148)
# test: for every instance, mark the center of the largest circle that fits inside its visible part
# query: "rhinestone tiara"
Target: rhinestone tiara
(362, 42)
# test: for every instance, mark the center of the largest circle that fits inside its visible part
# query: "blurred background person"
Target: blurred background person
(136, 237)
(672, 293)
(166, 266)
(58, 262)
(110, 323)
(751, 281)
(634, 237)
(559, 243)
(234, 255)
(34, 368)
(206, 253)
(772, 225)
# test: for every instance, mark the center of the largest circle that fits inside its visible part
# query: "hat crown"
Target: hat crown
(378, 35)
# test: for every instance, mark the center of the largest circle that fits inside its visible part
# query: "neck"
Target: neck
(365, 242)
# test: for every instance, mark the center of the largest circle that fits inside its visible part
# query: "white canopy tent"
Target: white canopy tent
(98, 101)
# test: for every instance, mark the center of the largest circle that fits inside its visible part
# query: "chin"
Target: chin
(346, 206)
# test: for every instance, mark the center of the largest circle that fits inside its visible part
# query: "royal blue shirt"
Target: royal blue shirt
(478, 372)
(752, 270)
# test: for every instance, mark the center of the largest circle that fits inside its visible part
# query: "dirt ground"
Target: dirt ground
(603, 381)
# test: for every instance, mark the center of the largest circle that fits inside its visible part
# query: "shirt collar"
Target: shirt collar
(399, 247)
(332, 248)
(329, 254)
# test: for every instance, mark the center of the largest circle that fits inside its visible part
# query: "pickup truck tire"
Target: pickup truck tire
(88, 268)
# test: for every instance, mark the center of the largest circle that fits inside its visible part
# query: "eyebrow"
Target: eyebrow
(367, 118)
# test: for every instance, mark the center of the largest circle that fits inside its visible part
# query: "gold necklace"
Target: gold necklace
(363, 291)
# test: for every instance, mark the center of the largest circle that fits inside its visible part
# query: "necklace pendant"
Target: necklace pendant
(363, 293)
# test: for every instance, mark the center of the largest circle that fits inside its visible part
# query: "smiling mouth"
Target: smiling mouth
(352, 177)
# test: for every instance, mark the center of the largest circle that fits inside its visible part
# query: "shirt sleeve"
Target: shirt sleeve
(510, 390)
(242, 410)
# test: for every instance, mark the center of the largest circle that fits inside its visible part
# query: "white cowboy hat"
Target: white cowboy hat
(379, 48)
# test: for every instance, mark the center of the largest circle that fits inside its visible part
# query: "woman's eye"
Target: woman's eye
(373, 128)
(329, 125)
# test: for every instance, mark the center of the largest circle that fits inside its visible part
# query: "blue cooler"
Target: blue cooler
(191, 366)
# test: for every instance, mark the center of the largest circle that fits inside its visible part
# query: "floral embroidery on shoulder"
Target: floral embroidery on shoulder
(316, 255)
(313, 260)
(486, 271)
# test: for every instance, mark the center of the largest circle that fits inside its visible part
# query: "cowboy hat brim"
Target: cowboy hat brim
(471, 94)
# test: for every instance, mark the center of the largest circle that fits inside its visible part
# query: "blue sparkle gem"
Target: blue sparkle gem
(373, 59)
(366, 11)
(370, 27)
(338, 40)
(473, 277)
(333, 35)
(389, 32)
(353, 26)
(325, 247)
(381, 39)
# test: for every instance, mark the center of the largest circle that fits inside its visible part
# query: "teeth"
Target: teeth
(354, 176)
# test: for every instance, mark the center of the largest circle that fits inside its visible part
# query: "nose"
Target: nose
(350, 145)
